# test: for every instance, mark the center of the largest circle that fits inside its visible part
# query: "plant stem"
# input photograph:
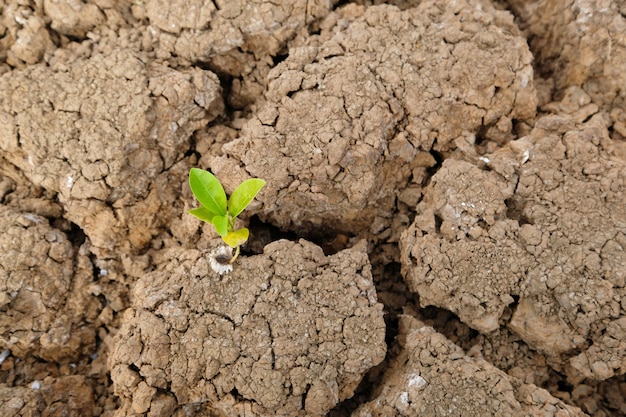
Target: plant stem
(232, 260)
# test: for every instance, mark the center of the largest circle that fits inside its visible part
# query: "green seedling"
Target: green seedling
(221, 212)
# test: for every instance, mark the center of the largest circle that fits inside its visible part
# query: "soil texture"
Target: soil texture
(442, 230)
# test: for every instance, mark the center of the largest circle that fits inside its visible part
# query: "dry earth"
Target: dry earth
(442, 232)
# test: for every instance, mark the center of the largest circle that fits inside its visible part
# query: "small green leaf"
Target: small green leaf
(243, 195)
(208, 190)
(203, 214)
(236, 238)
(221, 225)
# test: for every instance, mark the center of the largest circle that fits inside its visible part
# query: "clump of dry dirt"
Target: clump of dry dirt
(289, 332)
(110, 129)
(47, 309)
(433, 376)
(460, 167)
(583, 46)
(520, 229)
(349, 118)
(243, 39)
(68, 395)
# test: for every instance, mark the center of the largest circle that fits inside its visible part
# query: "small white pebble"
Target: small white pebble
(404, 398)
(417, 381)
(4, 355)
(35, 385)
(525, 156)
(33, 218)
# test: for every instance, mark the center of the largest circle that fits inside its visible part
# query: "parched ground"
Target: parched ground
(442, 232)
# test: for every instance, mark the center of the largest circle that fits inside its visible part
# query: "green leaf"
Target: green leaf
(208, 190)
(203, 214)
(236, 238)
(221, 225)
(243, 195)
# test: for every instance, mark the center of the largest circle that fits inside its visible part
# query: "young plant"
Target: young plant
(221, 212)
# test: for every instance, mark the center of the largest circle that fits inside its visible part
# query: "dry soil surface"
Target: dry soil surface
(443, 229)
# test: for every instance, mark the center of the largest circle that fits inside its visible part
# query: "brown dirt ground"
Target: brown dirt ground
(442, 232)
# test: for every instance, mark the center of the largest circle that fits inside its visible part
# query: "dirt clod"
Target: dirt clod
(521, 231)
(295, 338)
(433, 376)
(350, 116)
(47, 310)
(108, 129)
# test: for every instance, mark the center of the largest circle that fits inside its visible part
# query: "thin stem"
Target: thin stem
(232, 260)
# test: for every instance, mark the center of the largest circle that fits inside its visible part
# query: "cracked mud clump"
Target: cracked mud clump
(431, 370)
(521, 230)
(45, 282)
(295, 339)
(349, 117)
(108, 129)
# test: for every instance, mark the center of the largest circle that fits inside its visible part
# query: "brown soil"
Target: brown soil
(442, 232)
